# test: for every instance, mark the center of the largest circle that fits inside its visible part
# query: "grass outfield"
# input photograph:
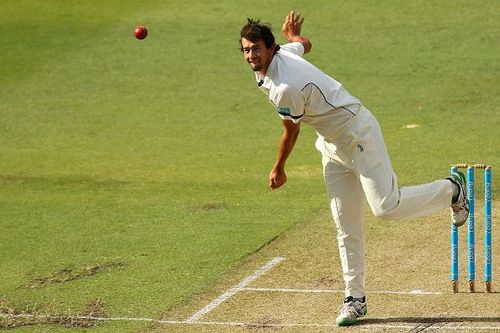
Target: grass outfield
(133, 173)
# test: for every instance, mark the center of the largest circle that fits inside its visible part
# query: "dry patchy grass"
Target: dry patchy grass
(401, 256)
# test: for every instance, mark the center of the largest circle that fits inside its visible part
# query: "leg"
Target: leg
(380, 183)
(347, 206)
(387, 201)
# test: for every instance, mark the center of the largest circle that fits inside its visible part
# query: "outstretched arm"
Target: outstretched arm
(291, 30)
(291, 131)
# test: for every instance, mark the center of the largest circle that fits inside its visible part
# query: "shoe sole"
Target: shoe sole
(462, 184)
(347, 322)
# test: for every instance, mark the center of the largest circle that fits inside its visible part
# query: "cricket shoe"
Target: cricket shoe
(351, 310)
(460, 208)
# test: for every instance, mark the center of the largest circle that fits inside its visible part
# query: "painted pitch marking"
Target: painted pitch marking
(319, 291)
(231, 292)
(194, 320)
(362, 326)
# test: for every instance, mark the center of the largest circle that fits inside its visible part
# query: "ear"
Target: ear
(273, 48)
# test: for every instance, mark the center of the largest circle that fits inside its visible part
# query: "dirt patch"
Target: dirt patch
(265, 322)
(328, 282)
(209, 207)
(71, 274)
(12, 318)
(304, 292)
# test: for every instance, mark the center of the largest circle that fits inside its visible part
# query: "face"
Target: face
(257, 55)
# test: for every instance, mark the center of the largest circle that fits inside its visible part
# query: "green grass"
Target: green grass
(154, 154)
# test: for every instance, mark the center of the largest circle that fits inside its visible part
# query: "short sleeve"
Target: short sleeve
(289, 102)
(295, 48)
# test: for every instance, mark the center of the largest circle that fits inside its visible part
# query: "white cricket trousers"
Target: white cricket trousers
(356, 166)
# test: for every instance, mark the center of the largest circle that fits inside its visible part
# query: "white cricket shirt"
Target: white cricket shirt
(301, 92)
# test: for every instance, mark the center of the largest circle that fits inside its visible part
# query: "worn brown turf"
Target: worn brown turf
(407, 280)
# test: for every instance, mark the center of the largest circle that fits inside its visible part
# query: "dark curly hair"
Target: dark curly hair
(254, 31)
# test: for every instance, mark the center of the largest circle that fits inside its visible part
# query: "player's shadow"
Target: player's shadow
(431, 320)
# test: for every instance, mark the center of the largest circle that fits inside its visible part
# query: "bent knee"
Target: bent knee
(382, 215)
(385, 212)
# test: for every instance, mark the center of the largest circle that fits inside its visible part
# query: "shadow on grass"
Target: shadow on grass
(423, 323)
(431, 320)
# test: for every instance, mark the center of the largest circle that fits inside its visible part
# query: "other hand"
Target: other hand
(277, 178)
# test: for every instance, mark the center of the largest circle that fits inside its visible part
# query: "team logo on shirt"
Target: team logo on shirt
(283, 111)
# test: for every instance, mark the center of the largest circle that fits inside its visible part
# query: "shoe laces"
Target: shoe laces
(458, 206)
(351, 307)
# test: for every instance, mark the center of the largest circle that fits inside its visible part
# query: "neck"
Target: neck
(263, 71)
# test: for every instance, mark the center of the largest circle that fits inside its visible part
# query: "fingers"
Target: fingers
(301, 20)
(287, 25)
(294, 19)
(274, 184)
(292, 25)
(276, 181)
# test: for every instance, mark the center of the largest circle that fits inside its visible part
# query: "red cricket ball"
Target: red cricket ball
(140, 32)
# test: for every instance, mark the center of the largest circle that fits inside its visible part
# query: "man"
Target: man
(355, 161)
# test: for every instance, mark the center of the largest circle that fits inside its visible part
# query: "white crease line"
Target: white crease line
(242, 284)
(361, 325)
(288, 290)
